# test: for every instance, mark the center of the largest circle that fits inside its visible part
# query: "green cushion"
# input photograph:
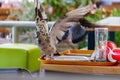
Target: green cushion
(20, 56)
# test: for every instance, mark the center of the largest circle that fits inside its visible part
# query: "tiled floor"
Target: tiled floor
(52, 75)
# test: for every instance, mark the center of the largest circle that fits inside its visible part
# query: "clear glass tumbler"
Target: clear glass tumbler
(101, 36)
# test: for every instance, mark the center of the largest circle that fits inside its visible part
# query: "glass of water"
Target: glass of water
(101, 36)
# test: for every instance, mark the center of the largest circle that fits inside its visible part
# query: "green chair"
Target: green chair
(20, 56)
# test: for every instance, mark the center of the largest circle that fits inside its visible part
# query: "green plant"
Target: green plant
(82, 44)
(94, 17)
(57, 8)
(86, 2)
(116, 12)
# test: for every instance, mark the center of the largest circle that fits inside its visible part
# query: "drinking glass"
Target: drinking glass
(101, 36)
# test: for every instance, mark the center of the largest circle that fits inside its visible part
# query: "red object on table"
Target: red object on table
(111, 44)
(116, 54)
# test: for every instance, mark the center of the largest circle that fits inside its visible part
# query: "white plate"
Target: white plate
(80, 58)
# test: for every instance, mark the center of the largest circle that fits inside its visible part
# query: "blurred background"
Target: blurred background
(23, 10)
